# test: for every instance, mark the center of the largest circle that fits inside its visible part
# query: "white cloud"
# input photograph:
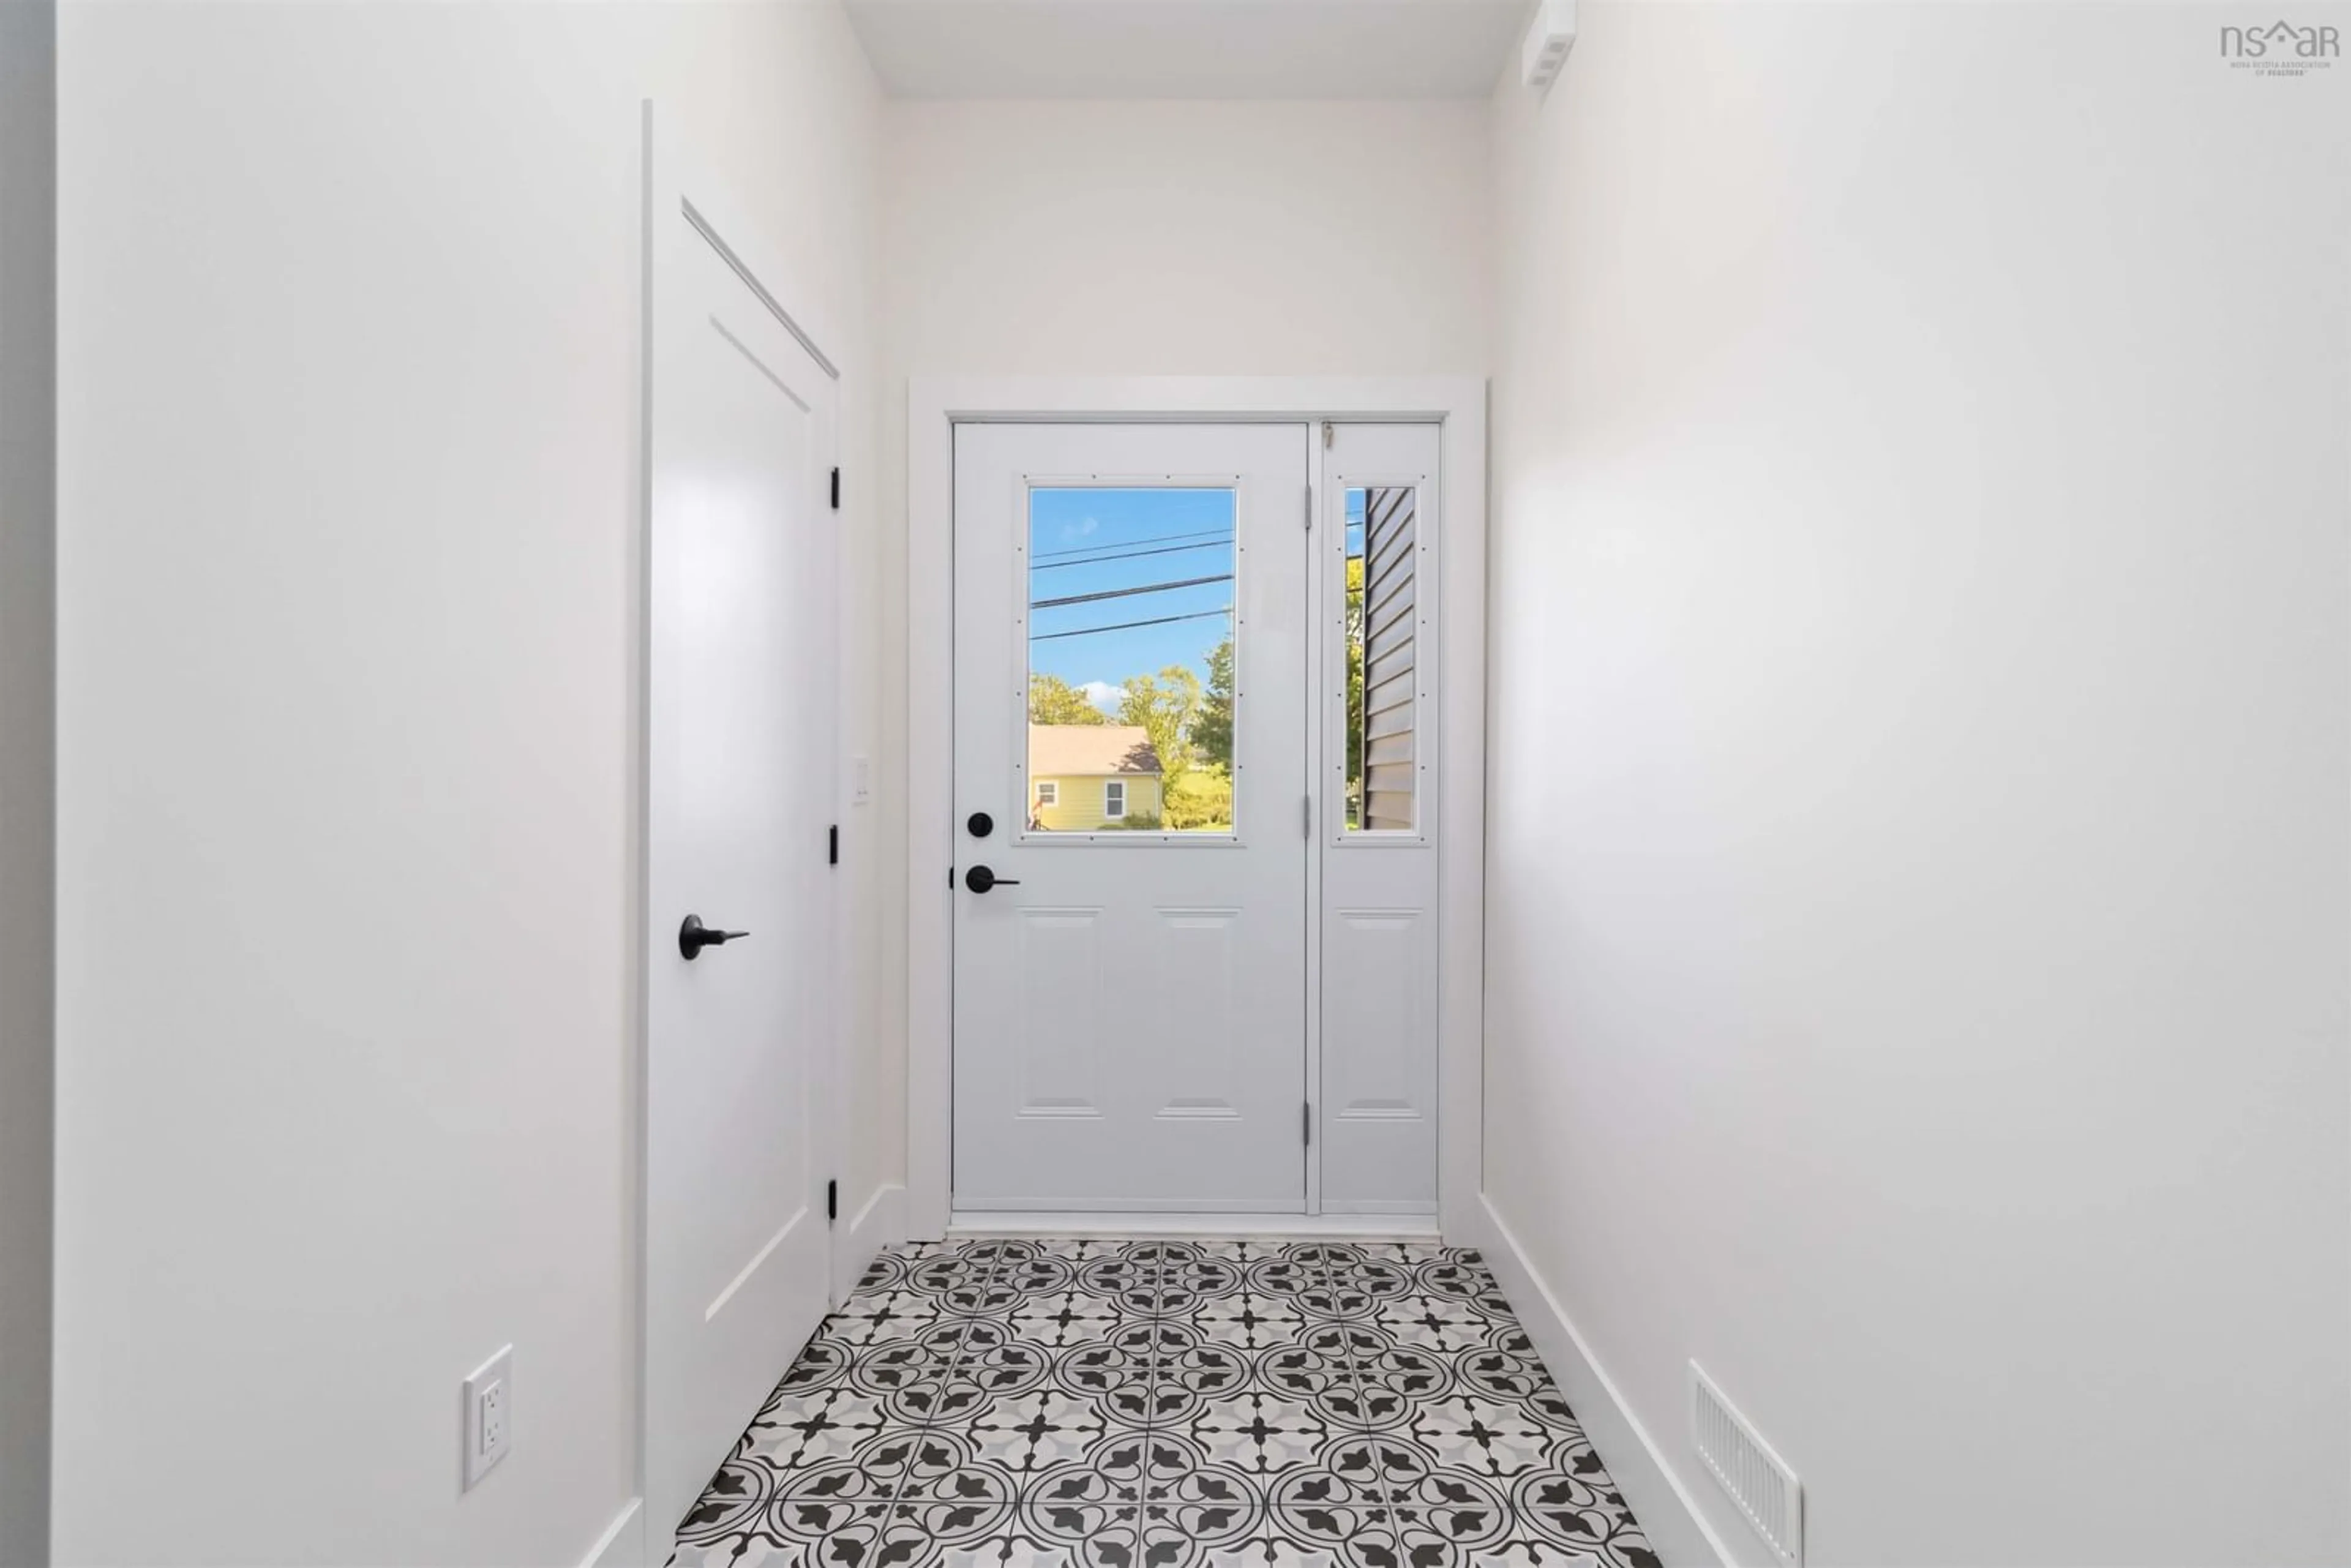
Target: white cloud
(1073, 532)
(1104, 695)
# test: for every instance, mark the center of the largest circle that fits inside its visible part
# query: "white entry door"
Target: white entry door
(740, 718)
(1131, 745)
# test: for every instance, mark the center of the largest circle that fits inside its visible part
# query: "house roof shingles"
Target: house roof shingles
(1087, 749)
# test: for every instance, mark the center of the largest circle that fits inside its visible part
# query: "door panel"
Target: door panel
(1058, 963)
(740, 724)
(1130, 1001)
(1377, 1007)
(1198, 1068)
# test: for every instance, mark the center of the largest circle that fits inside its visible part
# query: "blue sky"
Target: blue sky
(1097, 541)
(1087, 541)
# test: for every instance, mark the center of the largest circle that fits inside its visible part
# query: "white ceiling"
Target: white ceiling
(1190, 48)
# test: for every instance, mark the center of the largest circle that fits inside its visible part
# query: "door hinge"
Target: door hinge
(1306, 814)
(1306, 1122)
(832, 1201)
(1326, 436)
(836, 489)
(1310, 508)
(832, 845)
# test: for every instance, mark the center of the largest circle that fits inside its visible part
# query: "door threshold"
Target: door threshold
(1121, 1226)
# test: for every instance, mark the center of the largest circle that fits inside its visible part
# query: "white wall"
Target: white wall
(1147, 238)
(348, 411)
(1166, 238)
(28, 761)
(1922, 729)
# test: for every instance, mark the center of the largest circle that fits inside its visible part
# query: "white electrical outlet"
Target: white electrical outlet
(489, 1415)
(494, 1419)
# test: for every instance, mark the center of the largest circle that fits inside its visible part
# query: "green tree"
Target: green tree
(1052, 700)
(1166, 706)
(1202, 799)
(1212, 732)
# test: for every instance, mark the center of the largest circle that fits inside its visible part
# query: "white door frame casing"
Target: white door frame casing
(934, 406)
(677, 181)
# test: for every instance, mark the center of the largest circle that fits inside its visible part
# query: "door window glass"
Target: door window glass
(1131, 636)
(1383, 769)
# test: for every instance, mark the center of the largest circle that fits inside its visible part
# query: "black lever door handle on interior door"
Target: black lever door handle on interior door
(980, 879)
(693, 936)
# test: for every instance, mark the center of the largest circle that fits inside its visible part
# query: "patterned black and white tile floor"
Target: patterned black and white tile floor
(1026, 1403)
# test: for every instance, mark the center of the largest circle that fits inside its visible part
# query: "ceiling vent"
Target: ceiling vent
(1764, 1488)
(1549, 38)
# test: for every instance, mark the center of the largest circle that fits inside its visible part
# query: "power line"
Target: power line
(1224, 532)
(1129, 544)
(1129, 555)
(1130, 625)
(1127, 593)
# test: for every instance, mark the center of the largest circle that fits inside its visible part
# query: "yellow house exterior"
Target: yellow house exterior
(1092, 778)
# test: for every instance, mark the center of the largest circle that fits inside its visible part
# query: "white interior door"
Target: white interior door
(1132, 736)
(740, 718)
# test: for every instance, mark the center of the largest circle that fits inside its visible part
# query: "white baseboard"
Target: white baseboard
(881, 1223)
(622, 1544)
(1668, 1515)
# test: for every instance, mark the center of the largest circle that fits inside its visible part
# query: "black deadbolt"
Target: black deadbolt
(980, 879)
(981, 824)
(693, 936)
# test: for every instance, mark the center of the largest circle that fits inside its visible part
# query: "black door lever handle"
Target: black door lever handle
(980, 879)
(693, 936)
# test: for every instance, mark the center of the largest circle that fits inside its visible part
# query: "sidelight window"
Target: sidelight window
(1382, 767)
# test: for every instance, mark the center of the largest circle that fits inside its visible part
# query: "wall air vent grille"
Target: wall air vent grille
(1764, 1488)
(1549, 38)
